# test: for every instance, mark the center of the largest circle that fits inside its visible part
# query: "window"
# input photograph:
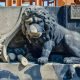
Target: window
(2, 3)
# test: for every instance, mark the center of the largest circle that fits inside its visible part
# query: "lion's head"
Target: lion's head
(36, 20)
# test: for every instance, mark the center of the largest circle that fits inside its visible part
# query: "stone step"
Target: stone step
(49, 71)
(30, 72)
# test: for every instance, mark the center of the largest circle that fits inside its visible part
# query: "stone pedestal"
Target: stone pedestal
(15, 71)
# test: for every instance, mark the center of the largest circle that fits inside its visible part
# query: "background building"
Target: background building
(39, 2)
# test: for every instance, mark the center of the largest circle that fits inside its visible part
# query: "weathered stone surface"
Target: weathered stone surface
(8, 18)
(49, 71)
(30, 72)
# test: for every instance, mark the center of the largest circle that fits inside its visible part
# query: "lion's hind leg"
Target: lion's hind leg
(73, 45)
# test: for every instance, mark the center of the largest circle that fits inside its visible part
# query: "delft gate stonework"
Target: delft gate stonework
(13, 46)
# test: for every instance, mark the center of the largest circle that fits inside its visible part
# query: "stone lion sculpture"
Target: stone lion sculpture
(41, 30)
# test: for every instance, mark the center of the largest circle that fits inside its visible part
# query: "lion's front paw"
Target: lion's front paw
(42, 60)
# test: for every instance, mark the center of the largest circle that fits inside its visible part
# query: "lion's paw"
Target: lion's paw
(42, 60)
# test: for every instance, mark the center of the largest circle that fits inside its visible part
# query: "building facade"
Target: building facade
(39, 2)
